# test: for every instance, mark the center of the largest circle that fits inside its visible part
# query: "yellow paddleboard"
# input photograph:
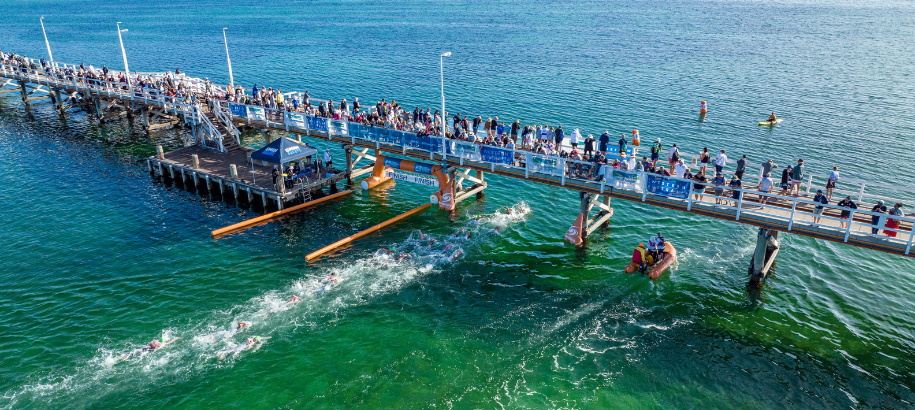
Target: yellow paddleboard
(771, 122)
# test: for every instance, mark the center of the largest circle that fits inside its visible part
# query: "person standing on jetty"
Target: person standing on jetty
(720, 161)
(797, 174)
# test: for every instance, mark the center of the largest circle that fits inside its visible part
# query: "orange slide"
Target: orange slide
(669, 256)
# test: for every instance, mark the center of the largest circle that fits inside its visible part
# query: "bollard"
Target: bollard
(233, 172)
(196, 161)
(159, 152)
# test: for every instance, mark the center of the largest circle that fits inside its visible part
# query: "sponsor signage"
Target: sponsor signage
(256, 113)
(238, 110)
(416, 179)
(668, 187)
(295, 120)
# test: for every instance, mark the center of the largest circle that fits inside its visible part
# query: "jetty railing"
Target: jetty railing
(793, 214)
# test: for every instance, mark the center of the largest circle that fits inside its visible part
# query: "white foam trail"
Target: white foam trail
(215, 342)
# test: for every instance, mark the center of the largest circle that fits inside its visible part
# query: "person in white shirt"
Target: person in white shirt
(327, 159)
(573, 139)
(680, 169)
(720, 162)
(831, 183)
(673, 156)
(765, 186)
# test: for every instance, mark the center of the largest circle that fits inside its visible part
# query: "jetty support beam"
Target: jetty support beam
(767, 246)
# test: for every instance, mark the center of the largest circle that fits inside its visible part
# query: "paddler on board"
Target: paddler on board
(772, 118)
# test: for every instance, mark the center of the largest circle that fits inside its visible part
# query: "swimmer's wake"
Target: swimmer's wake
(253, 323)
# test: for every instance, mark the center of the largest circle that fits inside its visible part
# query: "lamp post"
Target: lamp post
(231, 79)
(124, 53)
(46, 43)
(442, 71)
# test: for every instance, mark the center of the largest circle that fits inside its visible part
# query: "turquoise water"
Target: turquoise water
(100, 258)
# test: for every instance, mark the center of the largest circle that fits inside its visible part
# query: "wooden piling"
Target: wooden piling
(196, 161)
(233, 172)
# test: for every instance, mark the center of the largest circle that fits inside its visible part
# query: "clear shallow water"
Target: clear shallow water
(110, 259)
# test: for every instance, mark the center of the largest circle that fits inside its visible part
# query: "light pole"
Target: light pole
(441, 60)
(46, 43)
(124, 53)
(231, 80)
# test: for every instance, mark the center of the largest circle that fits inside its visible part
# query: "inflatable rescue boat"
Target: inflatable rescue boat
(655, 269)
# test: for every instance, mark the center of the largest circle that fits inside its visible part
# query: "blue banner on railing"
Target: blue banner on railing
(668, 187)
(496, 155)
(615, 150)
(358, 131)
(423, 143)
(317, 123)
(338, 127)
(238, 110)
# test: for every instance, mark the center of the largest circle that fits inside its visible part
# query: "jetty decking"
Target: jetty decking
(214, 127)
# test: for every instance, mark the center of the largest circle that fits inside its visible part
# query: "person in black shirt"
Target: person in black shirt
(875, 220)
(476, 125)
(847, 203)
(589, 145)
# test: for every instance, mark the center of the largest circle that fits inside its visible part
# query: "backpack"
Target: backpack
(676, 156)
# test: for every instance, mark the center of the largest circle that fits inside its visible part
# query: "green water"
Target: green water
(99, 258)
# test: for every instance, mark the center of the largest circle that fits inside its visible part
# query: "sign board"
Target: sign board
(256, 113)
(238, 110)
(317, 123)
(416, 179)
(668, 187)
(295, 120)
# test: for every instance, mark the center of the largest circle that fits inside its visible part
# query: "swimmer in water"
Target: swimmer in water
(431, 242)
(228, 333)
(153, 345)
(509, 209)
(422, 236)
(332, 278)
(401, 257)
(457, 254)
(460, 233)
(248, 343)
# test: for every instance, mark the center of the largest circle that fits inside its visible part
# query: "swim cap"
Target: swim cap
(162, 339)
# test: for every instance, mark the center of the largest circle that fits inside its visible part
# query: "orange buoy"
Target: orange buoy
(703, 107)
(636, 141)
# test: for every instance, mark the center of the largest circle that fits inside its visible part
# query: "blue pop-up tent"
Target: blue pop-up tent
(283, 150)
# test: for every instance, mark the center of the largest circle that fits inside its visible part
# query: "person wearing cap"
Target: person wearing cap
(877, 220)
(656, 152)
(797, 176)
(831, 182)
(589, 145)
(785, 183)
(622, 145)
(819, 198)
(735, 184)
(604, 142)
(846, 213)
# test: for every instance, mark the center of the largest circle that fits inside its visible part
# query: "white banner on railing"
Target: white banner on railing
(467, 150)
(416, 179)
(257, 113)
(295, 120)
(625, 179)
(546, 165)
